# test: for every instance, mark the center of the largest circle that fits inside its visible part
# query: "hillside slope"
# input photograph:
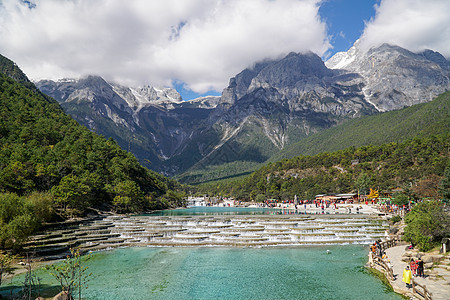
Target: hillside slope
(417, 165)
(43, 149)
(418, 120)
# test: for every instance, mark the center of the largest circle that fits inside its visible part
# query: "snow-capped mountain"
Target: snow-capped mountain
(264, 108)
(394, 77)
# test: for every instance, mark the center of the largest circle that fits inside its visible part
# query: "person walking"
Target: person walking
(407, 276)
(420, 267)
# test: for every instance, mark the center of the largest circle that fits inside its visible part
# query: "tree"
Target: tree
(260, 198)
(129, 196)
(427, 223)
(428, 187)
(362, 183)
(70, 192)
(444, 186)
(400, 199)
(70, 274)
(5, 263)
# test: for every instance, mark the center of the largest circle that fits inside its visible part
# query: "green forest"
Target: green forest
(420, 120)
(52, 168)
(416, 165)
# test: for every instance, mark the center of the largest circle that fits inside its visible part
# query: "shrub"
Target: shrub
(427, 223)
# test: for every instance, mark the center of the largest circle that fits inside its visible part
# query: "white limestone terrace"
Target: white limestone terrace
(209, 231)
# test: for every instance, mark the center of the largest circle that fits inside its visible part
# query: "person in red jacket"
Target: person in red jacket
(413, 267)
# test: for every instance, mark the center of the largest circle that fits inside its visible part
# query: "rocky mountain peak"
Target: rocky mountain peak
(395, 77)
(293, 70)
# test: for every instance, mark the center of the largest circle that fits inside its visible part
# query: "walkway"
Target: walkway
(437, 279)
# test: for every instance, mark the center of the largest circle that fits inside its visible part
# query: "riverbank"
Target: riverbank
(436, 279)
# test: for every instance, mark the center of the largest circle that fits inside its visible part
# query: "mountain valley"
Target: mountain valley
(266, 108)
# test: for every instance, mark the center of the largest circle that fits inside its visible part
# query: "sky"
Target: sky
(196, 46)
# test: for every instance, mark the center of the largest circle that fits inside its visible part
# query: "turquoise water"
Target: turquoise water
(202, 210)
(231, 273)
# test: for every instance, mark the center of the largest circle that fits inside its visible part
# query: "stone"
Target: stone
(407, 254)
(428, 265)
(437, 258)
(63, 296)
(427, 259)
(405, 259)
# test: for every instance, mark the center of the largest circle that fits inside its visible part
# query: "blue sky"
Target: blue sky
(196, 46)
(345, 20)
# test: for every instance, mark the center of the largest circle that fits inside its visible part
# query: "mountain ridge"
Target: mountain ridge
(265, 108)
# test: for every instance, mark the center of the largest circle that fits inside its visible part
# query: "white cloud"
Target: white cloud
(412, 24)
(200, 42)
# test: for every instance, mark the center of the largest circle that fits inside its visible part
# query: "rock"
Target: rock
(408, 253)
(428, 265)
(63, 296)
(427, 259)
(437, 258)
(405, 259)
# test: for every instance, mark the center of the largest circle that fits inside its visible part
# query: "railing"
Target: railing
(387, 271)
(389, 243)
(421, 294)
(380, 262)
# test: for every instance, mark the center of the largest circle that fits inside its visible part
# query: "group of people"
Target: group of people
(415, 268)
(377, 249)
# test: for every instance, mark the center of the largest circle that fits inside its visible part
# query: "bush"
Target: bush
(427, 223)
(396, 219)
(400, 199)
(21, 216)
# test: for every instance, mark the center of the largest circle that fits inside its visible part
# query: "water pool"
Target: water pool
(230, 273)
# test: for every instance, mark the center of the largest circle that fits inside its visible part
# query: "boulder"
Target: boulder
(427, 259)
(405, 259)
(437, 257)
(428, 265)
(64, 295)
(407, 253)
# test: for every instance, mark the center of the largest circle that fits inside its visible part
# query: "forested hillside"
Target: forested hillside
(419, 120)
(49, 162)
(417, 165)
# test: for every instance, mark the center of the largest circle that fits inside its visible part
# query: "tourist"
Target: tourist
(379, 252)
(413, 267)
(420, 267)
(374, 248)
(390, 266)
(407, 276)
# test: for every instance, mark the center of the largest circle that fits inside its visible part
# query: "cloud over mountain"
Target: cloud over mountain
(200, 42)
(412, 24)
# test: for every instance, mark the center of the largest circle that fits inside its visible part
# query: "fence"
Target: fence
(389, 243)
(422, 292)
(380, 262)
(418, 290)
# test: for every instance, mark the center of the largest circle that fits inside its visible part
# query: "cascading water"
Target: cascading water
(252, 230)
(213, 230)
